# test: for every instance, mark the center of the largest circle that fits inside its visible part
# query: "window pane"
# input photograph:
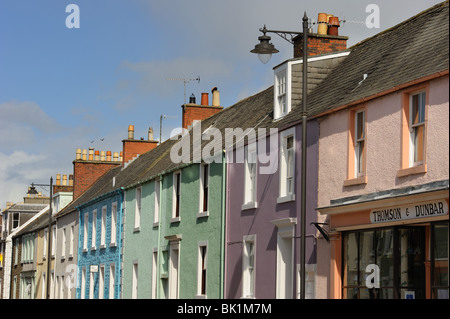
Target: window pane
(440, 271)
(351, 260)
(360, 125)
(367, 254)
(385, 259)
(418, 143)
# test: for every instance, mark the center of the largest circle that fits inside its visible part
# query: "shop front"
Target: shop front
(390, 245)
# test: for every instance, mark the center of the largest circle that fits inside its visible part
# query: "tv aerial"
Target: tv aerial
(185, 80)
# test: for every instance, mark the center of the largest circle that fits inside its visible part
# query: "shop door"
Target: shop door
(410, 263)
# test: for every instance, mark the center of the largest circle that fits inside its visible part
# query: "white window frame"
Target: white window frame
(94, 230)
(71, 239)
(53, 243)
(282, 91)
(103, 228)
(157, 202)
(134, 280)
(83, 283)
(154, 272)
(201, 211)
(202, 264)
(285, 257)
(44, 254)
(137, 209)
(412, 147)
(174, 269)
(85, 231)
(284, 195)
(248, 266)
(250, 178)
(112, 278)
(64, 243)
(113, 224)
(91, 284)
(360, 162)
(101, 282)
(175, 190)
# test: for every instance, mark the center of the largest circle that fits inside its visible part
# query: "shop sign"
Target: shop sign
(399, 213)
(93, 268)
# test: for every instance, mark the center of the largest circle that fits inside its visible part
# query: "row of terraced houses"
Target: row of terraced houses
(215, 212)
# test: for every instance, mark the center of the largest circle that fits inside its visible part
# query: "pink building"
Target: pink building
(383, 183)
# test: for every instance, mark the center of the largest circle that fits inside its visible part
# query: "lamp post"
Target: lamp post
(33, 191)
(265, 50)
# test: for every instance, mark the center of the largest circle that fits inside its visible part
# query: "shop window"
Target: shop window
(440, 271)
(398, 254)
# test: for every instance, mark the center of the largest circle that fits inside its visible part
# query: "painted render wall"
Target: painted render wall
(383, 117)
(139, 245)
(258, 221)
(100, 256)
(196, 229)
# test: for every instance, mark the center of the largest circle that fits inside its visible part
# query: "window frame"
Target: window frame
(176, 196)
(202, 270)
(282, 90)
(137, 209)
(204, 200)
(284, 196)
(407, 164)
(248, 277)
(250, 184)
(113, 228)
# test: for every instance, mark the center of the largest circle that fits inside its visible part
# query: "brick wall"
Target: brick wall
(193, 112)
(85, 173)
(319, 44)
(132, 148)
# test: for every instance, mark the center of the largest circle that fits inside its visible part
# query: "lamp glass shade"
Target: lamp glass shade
(264, 57)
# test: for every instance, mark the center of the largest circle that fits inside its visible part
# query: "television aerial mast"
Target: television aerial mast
(185, 80)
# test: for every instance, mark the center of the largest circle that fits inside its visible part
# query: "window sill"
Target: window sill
(113, 245)
(201, 297)
(203, 214)
(137, 229)
(287, 198)
(175, 219)
(420, 169)
(84, 250)
(248, 297)
(102, 246)
(356, 181)
(155, 224)
(93, 248)
(249, 205)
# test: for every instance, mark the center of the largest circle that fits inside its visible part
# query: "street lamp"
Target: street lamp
(32, 191)
(264, 50)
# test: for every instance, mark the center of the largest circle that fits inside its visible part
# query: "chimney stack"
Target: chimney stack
(133, 148)
(326, 40)
(193, 112)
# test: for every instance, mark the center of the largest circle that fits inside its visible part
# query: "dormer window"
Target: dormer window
(282, 101)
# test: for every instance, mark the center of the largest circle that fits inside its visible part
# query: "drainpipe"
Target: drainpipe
(49, 234)
(158, 256)
(121, 194)
(303, 183)
(222, 228)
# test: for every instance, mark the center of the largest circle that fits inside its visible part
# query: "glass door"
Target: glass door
(411, 263)
(439, 257)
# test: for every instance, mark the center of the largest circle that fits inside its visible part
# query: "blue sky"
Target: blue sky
(62, 89)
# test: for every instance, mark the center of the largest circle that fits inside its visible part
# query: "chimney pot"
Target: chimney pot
(150, 134)
(116, 156)
(108, 156)
(192, 99)
(58, 179)
(130, 132)
(84, 156)
(70, 180)
(64, 182)
(91, 153)
(215, 97)
(205, 99)
(78, 154)
(102, 155)
(97, 155)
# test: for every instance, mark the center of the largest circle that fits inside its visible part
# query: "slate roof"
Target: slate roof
(411, 50)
